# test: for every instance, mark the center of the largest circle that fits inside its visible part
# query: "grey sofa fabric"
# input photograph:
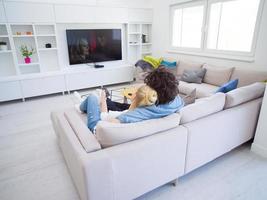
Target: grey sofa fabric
(190, 98)
(193, 76)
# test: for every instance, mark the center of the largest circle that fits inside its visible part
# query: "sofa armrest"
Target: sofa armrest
(84, 135)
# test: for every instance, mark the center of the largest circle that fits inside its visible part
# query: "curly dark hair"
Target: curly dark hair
(165, 84)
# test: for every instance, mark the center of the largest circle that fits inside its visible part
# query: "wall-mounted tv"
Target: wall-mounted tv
(94, 45)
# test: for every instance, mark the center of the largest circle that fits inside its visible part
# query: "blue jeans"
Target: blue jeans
(91, 106)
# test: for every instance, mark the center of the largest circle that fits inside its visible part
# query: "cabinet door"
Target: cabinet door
(140, 15)
(42, 86)
(75, 14)
(99, 77)
(29, 12)
(10, 90)
(111, 15)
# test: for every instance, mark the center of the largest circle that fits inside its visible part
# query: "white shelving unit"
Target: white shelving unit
(7, 64)
(35, 36)
(139, 41)
(17, 77)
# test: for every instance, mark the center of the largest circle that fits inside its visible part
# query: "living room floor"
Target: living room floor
(32, 166)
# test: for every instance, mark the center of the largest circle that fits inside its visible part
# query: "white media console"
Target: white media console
(36, 24)
(22, 87)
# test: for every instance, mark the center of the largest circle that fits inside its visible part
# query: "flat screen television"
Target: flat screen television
(94, 45)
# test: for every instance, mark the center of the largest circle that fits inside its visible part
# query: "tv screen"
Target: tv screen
(94, 45)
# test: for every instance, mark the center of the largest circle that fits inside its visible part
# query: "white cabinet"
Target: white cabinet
(75, 14)
(43, 86)
(2, 13)
(90, 14)
(99, 77)
(10, 90)
(111, 15)
(140, 15)
(29, 12)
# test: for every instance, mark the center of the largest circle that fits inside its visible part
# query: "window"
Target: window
(187, 26)
(230, 26)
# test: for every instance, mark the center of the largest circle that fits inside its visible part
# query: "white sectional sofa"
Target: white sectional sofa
(124, 161)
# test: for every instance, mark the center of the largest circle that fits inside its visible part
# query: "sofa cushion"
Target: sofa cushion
(182, 65)
(84, 135)
(202, 90)
(190, 98)
(193, 76)
(247, 77)
(109, 134)
(244, 94)
(203, 107)
(227, 87)
(217, 75)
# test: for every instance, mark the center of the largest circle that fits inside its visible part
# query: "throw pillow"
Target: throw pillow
(217, 75)
(182, 65)
(190, 98)
(155, 62)
(193, 76)
(227, 87)
(168, 64)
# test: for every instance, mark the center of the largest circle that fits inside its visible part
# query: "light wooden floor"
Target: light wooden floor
(32, 166)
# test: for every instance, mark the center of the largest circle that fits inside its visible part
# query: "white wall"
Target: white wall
(117, 3)
(161, 34)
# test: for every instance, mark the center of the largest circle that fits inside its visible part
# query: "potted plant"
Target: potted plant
(3, 46)
(26, 53)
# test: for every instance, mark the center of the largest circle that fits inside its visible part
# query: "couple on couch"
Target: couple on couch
(158, 98)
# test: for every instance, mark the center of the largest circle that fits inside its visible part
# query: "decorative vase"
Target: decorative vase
(27, 60)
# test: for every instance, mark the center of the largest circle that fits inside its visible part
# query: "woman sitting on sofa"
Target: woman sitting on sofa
(168, 101)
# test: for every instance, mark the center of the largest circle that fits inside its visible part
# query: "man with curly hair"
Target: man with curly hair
(166, 86)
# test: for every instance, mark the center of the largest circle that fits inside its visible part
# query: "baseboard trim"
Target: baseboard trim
(259, 150)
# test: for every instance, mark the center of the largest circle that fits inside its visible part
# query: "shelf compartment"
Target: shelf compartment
(147, 30)
(43, 40)
(29, 68)
(134, 39)
(44, 29)
(5, 39)
(49, 61)
(29, 42)
(7, 66)
(21, 29)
